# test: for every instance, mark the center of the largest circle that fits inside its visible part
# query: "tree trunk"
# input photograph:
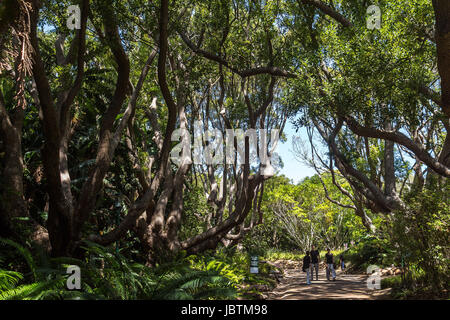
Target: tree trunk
(442, 35)
(389, 169)
(12, 201)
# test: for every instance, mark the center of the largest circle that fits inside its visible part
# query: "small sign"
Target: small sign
(254, 264)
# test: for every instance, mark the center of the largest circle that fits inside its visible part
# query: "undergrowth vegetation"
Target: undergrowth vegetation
(415, 282)
(106, 274)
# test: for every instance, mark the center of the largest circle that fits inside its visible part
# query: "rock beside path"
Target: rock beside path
(391, 271)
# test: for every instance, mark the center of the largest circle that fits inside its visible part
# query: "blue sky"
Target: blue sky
(293, 169)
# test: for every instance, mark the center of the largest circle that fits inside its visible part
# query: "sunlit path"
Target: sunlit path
(347, 286)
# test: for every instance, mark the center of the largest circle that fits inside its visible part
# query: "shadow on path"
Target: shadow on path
(347, 286)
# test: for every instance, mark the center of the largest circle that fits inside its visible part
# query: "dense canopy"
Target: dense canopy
(96, 101)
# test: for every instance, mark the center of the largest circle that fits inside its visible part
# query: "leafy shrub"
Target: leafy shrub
(369, 251)
(106, 274)
(235, 266)
(391, 282)
(273, 255)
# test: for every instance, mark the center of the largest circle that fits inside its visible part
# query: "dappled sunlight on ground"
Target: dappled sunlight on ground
(347, 286)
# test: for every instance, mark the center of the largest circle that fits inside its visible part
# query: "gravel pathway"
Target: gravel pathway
(346, 287)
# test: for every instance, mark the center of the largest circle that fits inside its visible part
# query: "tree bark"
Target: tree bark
(442, 36)
(12, 199)
(389, 169)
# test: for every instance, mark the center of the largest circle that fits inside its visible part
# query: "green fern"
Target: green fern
(9, 279)
(188, 284)
(116, 278)
(33, 291)
(25, 253)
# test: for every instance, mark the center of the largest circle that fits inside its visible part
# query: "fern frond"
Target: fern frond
(9, 279)
(25, 253)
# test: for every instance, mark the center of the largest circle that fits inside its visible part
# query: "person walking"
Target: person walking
(315, 256)
(341, 262)
(307, 267)
(330, 265)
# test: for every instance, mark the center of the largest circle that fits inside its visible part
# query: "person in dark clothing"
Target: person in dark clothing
(330, 265)
(315, 255)
(307, 266)
(341, 262)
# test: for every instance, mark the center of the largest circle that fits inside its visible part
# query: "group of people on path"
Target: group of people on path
(311, 264)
